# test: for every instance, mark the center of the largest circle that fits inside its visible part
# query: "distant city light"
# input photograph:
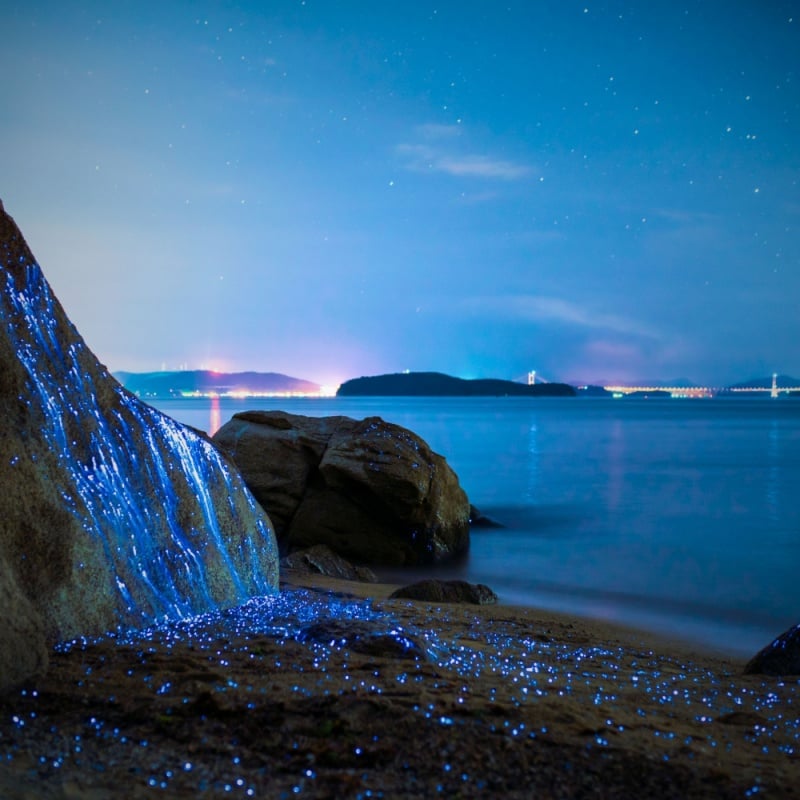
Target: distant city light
(243, 393)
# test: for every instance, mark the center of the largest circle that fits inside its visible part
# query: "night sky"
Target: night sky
(598, 191)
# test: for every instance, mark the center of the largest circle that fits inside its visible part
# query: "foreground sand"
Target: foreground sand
(320, 694)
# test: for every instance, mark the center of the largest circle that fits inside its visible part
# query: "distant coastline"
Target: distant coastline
(177, 384)
(437, 384)
(200, 382)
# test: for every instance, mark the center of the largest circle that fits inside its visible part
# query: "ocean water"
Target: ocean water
(676, 516)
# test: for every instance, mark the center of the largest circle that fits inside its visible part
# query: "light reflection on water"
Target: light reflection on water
(682, 516)
(215, 416)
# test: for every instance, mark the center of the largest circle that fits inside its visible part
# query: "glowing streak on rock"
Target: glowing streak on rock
(128, 500)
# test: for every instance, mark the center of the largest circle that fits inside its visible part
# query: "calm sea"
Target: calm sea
(678, 516)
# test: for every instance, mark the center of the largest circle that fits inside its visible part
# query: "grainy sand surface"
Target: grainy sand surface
(319, 693)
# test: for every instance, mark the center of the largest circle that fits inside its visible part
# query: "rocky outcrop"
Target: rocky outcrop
(321, 560)
(477, 519)
(111, 514)
(781, 657)
(438, 591)
(373, 491)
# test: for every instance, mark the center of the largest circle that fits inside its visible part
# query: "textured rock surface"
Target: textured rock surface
(437, 591)
(321, 560)
(110, 513)
(373, 491)
(368, 637)
(23, 650)
(780, 657)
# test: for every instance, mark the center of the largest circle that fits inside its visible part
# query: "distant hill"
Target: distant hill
(175, 384)
(436, 384)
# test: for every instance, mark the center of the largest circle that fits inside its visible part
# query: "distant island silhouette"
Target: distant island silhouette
(180, 383)
(437, 384)
(189, 383)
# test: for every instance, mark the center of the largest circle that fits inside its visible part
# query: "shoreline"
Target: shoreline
(708, 575)
(735, 635)
(619, 633)
(318, 692)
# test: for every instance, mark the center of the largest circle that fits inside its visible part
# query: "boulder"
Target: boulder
(111, 514)
(780, 657)
(370, 637)
(438, 591)
(321, 560)
(371, 490)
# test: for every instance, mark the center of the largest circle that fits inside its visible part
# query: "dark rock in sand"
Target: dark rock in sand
(111, 514)
(437, 591)
(367, 637)
(321, 560)
(373, 491)
(781, 657)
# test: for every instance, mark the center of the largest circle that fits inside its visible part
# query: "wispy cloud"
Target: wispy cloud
(539, 308)
(440, 148)
(481, 167)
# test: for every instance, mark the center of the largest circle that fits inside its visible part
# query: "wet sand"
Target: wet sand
(319, 693)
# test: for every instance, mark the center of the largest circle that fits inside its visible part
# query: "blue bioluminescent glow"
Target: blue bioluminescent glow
(178, 531)
(633, 697)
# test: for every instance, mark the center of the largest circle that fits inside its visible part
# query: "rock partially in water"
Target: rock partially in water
(477, 519)
(373, 491)
(111, 513)
(321, 560)
(438, 591)
(780, 657)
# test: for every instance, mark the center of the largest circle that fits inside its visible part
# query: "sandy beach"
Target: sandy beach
(320, 692)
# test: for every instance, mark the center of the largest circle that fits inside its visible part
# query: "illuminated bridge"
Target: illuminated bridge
(773, 390)
(684, 391)
(674, 391)
(705, 391)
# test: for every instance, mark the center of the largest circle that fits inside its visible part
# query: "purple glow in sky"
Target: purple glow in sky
(598, 191)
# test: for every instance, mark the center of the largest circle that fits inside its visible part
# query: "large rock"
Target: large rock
(439, 591)
(111, 514)
(373, 491)
(780, 657)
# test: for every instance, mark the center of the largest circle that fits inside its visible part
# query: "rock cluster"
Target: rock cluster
(780, 657)
(372, 491)
(111, 514)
